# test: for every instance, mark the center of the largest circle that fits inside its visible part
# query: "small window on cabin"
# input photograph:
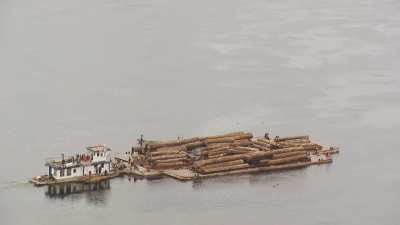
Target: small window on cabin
(69, 172)
(74, 171)
(97, 154)
(61, 172)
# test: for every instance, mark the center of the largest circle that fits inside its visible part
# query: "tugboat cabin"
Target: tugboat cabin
(96, 161)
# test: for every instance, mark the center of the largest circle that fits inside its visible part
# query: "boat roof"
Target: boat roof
(59, 165)
(98, 148)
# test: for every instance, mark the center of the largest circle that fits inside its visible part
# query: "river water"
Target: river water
(75, 73)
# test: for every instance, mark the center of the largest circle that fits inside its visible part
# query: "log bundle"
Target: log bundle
(231, 152)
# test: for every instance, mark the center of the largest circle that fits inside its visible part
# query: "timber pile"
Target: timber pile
(178, 154)
(262, 153)
(230, 153)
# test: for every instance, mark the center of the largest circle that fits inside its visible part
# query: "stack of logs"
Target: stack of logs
(230, 152)
(178, 153)
(261, 152)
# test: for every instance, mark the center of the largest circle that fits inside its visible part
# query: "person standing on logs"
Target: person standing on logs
(266, 136)
(141, 141)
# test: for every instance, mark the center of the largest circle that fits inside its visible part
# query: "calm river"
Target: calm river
(75, 73)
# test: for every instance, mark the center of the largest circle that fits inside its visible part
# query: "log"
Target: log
(242, 143)
(218, 160)
(219, 140)
(211, 151)
(170, 160)
(214, 146)
(216, 155)
(249, 149)
(244, 136)
(295, 141)
(257, 156)
(224, 135)
(334, 151)
(259, 169)
(265, 141)
(230, 163)
(284, 160)
(270, 143)
(170, 165)
(169, 156)
(292, 145)
(155, 154)
(261, 147)
(293, 138)
(169, 150)
(226, 168)
(294, 149)
(219, 153)
(288, 154)
(236, 151)
(172, 143)
(264, 144)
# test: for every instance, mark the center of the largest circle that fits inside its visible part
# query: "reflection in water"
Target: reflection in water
(94, 191)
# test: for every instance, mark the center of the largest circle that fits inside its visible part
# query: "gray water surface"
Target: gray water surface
(75, 73)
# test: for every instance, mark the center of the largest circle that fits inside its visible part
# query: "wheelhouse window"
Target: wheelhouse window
(69, 172)
(74, 171)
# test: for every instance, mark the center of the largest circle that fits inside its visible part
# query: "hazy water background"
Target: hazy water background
(74, 73)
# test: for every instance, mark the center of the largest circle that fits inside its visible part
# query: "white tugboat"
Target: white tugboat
(94, 165)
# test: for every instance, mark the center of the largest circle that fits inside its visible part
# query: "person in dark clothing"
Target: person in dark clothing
(141, 141)
(266, 136)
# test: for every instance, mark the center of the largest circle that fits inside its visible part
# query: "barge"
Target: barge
(189, 159)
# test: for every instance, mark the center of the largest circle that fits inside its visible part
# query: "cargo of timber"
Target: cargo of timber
(228, 154)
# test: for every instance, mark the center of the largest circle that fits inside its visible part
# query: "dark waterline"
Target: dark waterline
(75, 73)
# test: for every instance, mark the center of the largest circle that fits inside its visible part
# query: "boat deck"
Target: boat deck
(142, 173)
(81, 179)
(181, 174)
